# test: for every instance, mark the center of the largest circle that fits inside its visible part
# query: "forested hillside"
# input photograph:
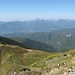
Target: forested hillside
(61, 40)
(7, 41)
(35, 44)
(27, 43)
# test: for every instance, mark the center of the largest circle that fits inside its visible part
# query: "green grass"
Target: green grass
(35, 56)
(15, 58)
(64, 59)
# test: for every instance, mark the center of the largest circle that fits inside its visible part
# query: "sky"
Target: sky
(11, 10)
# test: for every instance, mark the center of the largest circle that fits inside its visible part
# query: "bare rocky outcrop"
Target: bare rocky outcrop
(70, 71)
(28, 73)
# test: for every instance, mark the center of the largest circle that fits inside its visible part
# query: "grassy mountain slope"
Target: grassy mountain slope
(13, 58)
(10, 58)
(56, 64)
(35, 44)
(16, 59)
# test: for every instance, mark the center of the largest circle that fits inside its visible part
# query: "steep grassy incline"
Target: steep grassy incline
(17, 59)
(56, 64)
(10, 58)
(14, 58)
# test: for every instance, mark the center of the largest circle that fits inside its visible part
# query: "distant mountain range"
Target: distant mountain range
(39, 25)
